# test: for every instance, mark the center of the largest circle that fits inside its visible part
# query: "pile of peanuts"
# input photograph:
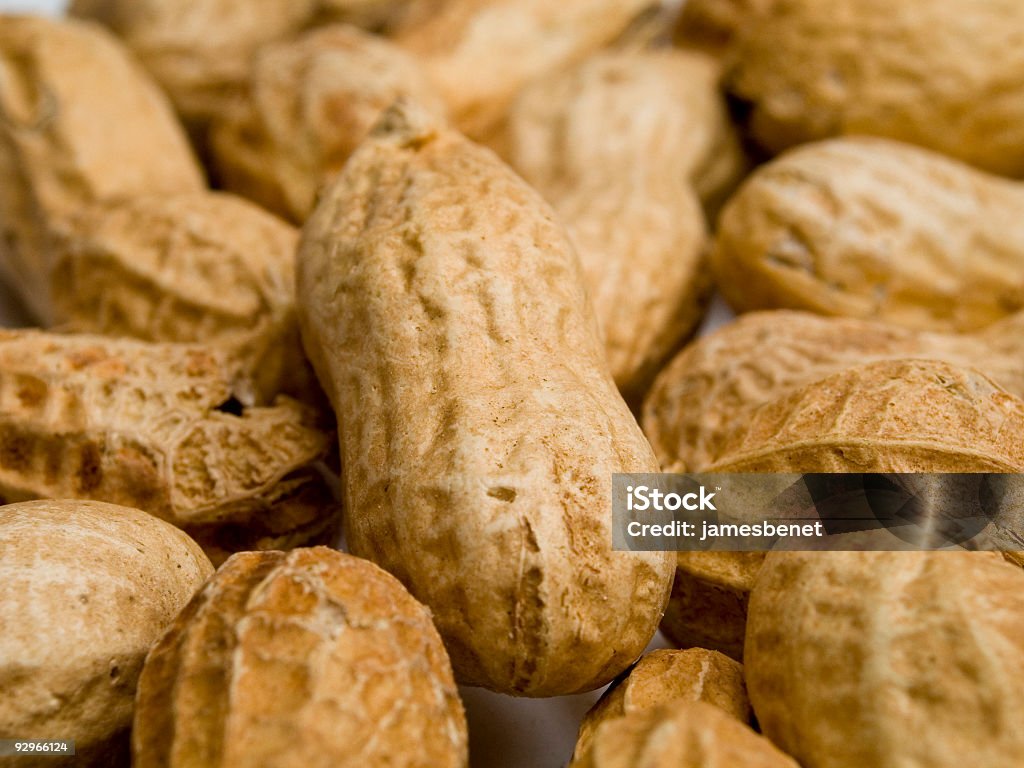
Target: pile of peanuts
(426, 274)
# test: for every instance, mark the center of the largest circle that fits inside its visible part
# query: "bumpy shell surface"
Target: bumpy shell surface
(80, 121)
(85, 589)
(308, 104)
(948, 76)
(206, 267)
(711, 387)
(306, 659)
(666, 676)
(444, 311)
(198, 50)
(708, 605)
(889, 659)
(714, 25)
(887, 416)
(680, 735)
(616, 145)
(873, 228)
(367, 14)
(153, 426)
(481, 53)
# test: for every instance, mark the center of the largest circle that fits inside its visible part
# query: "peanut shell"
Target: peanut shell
(663, 676)
(889, 658)
(875, 229)
(886, 416)
(680, 735)
(444, 310)
(309, 102)
(948, 76)
(303, 659)
(481, 53)
(85, 589)
(80, 121)
(712, 386)
(708, 605)
(625, 188)
(205, 267)
(156, 426)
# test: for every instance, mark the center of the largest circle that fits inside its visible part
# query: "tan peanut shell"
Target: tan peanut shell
(481, 53)
(444, 311)
(948, 76)
(198, 50)
(885, 416)
(665, 676)
(616, 145)
(715, 25)
(708, 605)
(299, 659)
(85, 589)
(156, 426)
(680, 735)
(80, 121)
(308, 104)
(872, 228)
(889, 658)
(204, 267)
(712, 386)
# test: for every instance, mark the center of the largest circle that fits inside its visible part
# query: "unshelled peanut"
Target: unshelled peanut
(665, 676)
(948, 76)
(299, 660)
(156, 426)
(885, 416)
(204, 267)
(80, 121)
(481, 53)
(711, 387)
(617, 145)
(679, 735)
(444, 310)
(889, 658)
(708, 605)
(308, 104)
(873, 228)
(85, 589)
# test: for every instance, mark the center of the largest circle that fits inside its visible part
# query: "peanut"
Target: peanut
(198, 50)
(886, 416)
(849, 653)
(711, 388)
(306, 658)
(947, 76)
(85, 589)
(443, 309)
(309, 102)
(79, 122)
(481, 53)
(661, 677)
(156, 426)
(616, 145)
(680, 735)
(157, 268)
(708, 605)
(873, 228)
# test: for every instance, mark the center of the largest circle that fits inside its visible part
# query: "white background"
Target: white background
(504, 732)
